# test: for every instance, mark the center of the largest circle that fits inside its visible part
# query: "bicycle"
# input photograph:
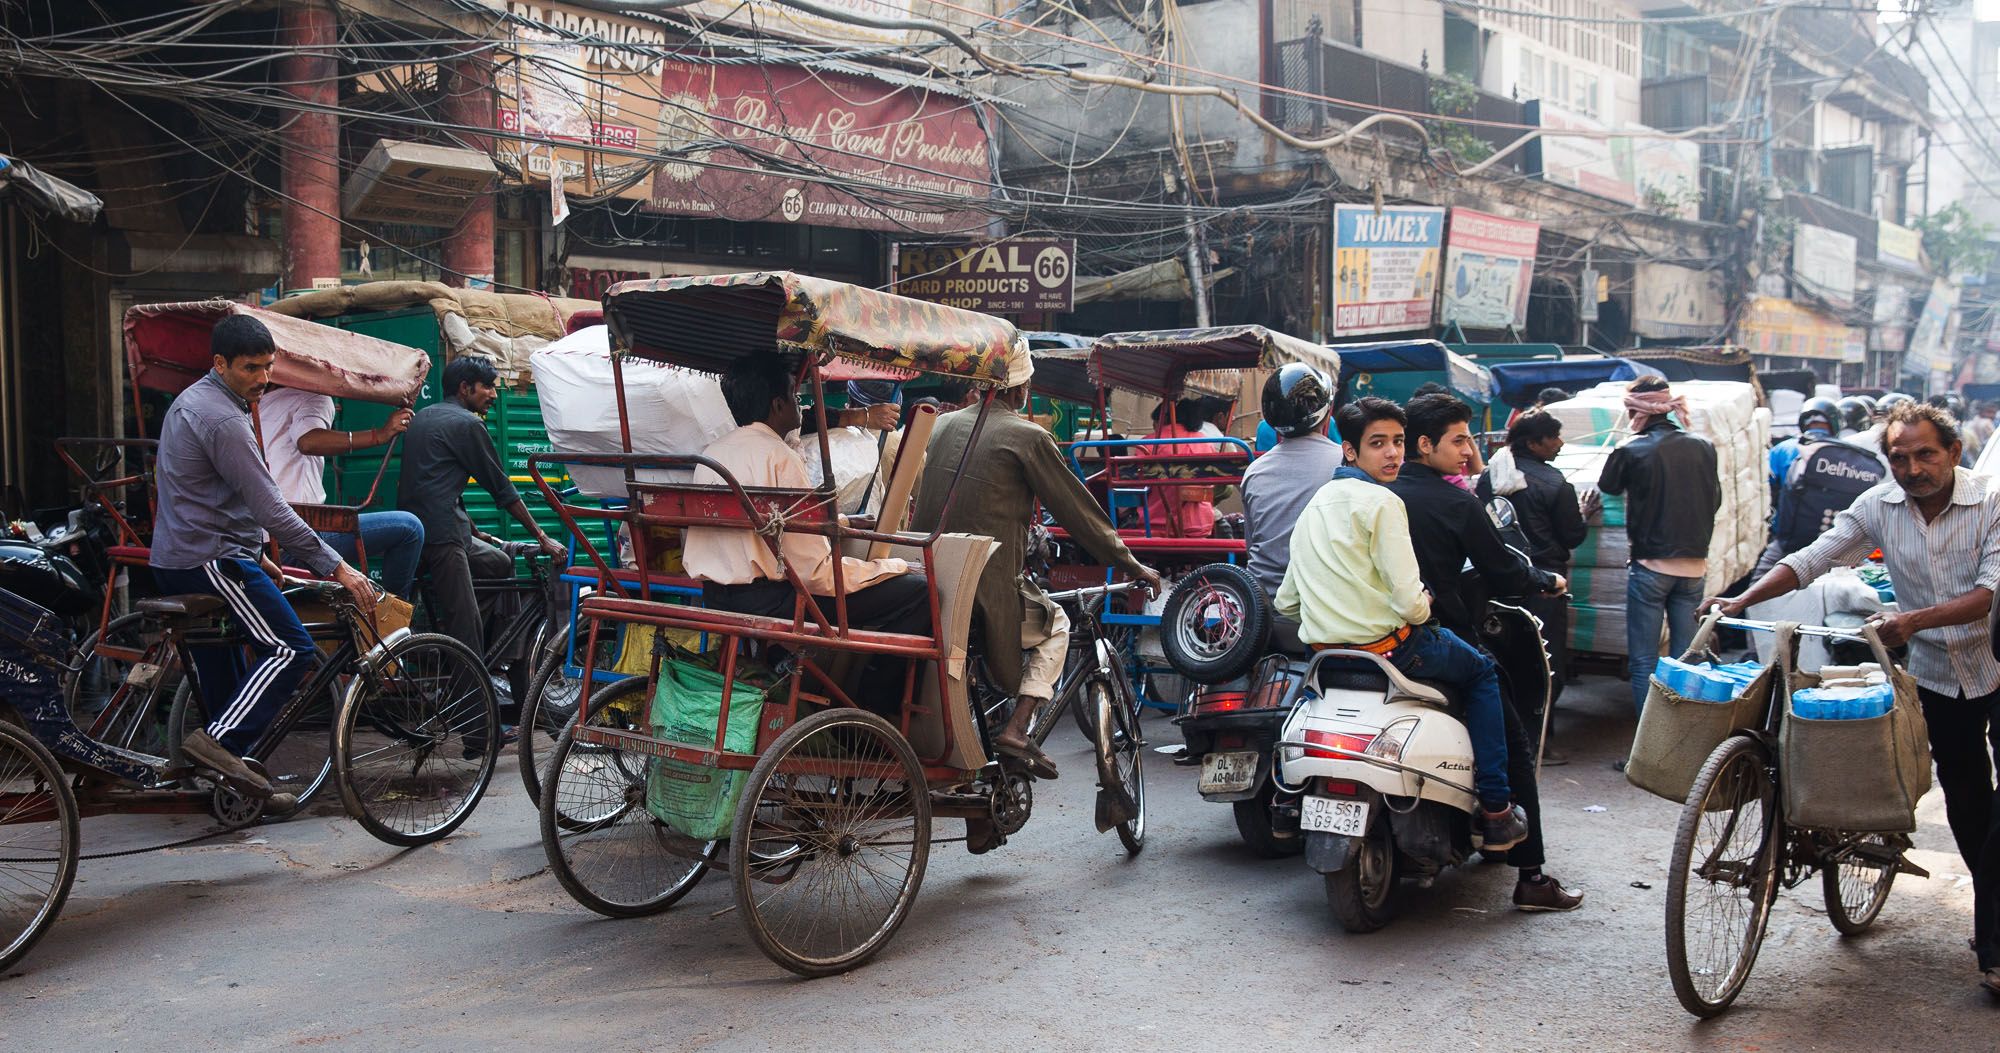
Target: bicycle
(1734, 847)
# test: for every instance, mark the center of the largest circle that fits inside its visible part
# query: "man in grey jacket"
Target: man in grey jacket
(216, 500)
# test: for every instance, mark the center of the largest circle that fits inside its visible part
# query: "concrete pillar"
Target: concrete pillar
(467, 87)
(309, 151)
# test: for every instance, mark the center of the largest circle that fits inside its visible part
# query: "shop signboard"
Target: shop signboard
(1781, 328)
(1385, 267)
(1593, 161)
(1677, 303)
(593, 111)
(1489, 263)
(1823, 262)
(1898, 246)
(1009, 276)
(1927, 341)
(786, 144)
(762, 17)
(1668, 175)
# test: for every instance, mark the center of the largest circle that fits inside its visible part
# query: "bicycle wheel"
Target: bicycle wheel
(417, 739)
(1724, 875)
(1857, 886)
(298, 763)
(830, 841)
(1120, 758)
(112, 658)
(548, 708)
(38, 842)
(605, 848)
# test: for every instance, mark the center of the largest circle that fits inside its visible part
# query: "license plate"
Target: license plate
(1331, 815)
(1228, 772)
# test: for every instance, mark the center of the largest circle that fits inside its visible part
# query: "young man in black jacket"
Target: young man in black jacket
(1672, 495)
(1448, 526)
(1551, 518)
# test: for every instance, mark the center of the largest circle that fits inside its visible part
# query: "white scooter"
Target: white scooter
(1383, 768)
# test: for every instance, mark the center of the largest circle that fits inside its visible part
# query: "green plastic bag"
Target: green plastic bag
(694, 799)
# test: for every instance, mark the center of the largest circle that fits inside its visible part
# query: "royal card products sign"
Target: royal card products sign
(1385, 268)
(1012, 276)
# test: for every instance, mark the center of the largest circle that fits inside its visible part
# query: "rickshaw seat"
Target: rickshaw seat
(587, 573)
(718, 621)
(186, 605)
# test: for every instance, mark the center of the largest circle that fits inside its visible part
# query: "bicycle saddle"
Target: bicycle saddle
(188, 605)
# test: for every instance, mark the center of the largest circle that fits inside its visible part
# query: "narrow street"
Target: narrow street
(313, 934)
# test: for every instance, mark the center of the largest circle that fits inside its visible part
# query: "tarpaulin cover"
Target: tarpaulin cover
(166, 348)
(705, 322)
(1518, 383)
(1158, 362)
(1466, 378)
(47, 193)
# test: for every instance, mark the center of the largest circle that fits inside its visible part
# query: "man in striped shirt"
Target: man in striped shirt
(1938, 527)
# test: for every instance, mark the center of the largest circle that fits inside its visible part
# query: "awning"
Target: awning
(43, 192)
(1161, 362)
(1467, 378)
(1062, 366)
(1519, 383)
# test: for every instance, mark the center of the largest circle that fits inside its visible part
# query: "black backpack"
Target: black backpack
(1826, 478)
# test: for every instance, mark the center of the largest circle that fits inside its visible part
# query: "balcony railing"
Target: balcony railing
(1366, 84)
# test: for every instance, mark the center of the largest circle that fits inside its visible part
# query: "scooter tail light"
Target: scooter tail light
(1337, 740)
(1219, 702)
(1340, 788)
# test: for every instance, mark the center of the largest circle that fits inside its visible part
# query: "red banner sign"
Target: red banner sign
(749, 133)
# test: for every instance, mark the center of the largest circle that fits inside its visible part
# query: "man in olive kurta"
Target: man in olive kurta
(1016, 465)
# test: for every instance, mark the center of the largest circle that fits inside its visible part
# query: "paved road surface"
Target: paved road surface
(312, 935)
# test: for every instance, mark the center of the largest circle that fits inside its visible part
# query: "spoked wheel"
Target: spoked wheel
(418, 736)
(1362, 894)
(1120, 759)
(606, 849)
(547, 709)
(830, 841)
(1724, 875)
(299, 763)
(38, 842)
(1858, 885)
(111, 661)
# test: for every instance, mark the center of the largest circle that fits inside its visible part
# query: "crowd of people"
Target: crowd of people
(1359, 525)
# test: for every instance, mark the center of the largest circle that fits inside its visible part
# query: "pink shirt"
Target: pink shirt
(757, 456)
(1195, 504)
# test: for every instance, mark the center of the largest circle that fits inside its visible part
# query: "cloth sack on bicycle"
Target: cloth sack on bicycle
(1864, 775)
(1676, 734)
(694, 799)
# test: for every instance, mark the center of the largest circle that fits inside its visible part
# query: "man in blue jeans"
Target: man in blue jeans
(1672, 495)
(1354, 582)
(216, 500)
(298, 438)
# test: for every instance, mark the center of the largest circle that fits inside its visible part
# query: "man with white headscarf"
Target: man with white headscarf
(1015, 467)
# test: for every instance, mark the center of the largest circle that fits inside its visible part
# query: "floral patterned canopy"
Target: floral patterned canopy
(705, 322)
(1172, 362)
(166, 349)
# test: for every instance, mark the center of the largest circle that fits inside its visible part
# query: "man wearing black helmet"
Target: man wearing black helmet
(1813, 478)
(1856, 413)
(1277, 485)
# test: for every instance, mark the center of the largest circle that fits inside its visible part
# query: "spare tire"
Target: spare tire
(1216, 624)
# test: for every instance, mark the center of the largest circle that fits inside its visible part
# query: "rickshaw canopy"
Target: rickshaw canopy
(705, 322)
(1467, 379)
(1172, 362)
(167, 348)
(1062, 367)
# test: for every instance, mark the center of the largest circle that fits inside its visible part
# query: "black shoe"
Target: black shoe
(1545, 896)
(1502, 830)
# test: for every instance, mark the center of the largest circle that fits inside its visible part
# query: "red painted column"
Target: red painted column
(467, 87)
(309, 151)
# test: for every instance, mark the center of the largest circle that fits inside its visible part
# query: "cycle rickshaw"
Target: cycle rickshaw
(828, 839)
(405, 724)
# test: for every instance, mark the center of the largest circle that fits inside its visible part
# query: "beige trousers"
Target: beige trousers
(1044, 642)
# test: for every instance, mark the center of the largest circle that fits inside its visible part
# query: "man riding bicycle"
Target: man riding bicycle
(216, 501)
(1015, 467)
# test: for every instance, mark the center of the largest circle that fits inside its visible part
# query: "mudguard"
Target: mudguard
(1328, 853)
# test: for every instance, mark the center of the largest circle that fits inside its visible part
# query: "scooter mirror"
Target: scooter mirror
(1501, 511)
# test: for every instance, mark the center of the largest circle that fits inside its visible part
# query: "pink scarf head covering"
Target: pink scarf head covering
(1647, 407)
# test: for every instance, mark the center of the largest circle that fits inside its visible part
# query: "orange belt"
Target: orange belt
(1383, 646)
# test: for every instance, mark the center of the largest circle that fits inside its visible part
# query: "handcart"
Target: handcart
(827, 842)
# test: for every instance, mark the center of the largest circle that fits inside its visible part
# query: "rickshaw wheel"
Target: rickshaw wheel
(417, 739)
(606, 849)
(39, 842)
(830, 841)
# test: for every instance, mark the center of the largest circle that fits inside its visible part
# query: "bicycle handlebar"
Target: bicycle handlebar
(1826, 631)
(1072, 595)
